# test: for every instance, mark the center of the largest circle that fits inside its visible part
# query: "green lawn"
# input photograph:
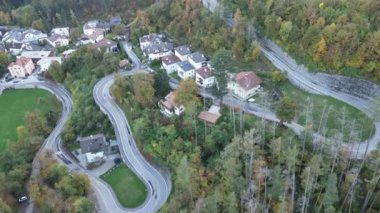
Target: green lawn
(362, 122)
(129, 189)
(13, 106)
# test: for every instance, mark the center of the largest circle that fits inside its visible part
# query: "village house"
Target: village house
(168, 106)
(56, 40)
(96, 36)
(33, 35)
(36, 55)
(244, 84)
(23, 36)
(204, 77)
(197, 59)
(169, 63)
(21, 68)
(185, 70)
(13, 36)
(211, 116)
(62, 31)
(158, 49)
(45, 63)
(95, 25)
(147, 40)
(94, 148)
(182, 52)
(107, 45)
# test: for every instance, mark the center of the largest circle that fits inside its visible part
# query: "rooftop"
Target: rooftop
(197, 57)
(171, 59)
(169, 102)
(185, 66)
(56, 37)
(92, 143)
(204, 72)
(149, 38)
(211, 116)
(21, 61)
(183, 50)
(35, 54)
(158, 47)
(247, 80)
(104, 43)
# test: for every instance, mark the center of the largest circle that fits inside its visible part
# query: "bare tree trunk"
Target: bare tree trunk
(304, 199)
(352, 187)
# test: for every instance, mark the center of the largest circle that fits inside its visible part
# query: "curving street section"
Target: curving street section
(157, 181)
(300, 76)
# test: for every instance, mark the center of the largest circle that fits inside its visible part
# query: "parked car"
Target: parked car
(22, 199)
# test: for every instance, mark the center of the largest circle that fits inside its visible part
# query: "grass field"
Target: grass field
(13, 106)
(129, 190)
(361, 121)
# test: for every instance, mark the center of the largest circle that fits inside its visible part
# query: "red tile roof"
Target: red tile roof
(205, 72)
(248, 80)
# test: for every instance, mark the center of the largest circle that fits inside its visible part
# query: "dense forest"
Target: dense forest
(262, 167)
(338, 37)
(45, 14)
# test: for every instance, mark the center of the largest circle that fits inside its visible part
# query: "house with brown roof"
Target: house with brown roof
(168, 106)
(211, 116)
(204, 77)
(21, 68)
(244, 84)
(108, 45)
(169, 63)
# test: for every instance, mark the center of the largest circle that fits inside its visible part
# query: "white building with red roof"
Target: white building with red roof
(204, 77)
(169, 63)
(21, 68)
(244, 84)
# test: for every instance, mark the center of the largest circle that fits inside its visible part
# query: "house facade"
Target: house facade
(197, 59)
(204, 77)
(182, 52)
(185, 70)
(93, 147)
(168, 106)
(244, 84)
(169, 63)
(21, 68)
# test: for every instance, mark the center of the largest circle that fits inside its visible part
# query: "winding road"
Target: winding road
(300, 76)
(156, 180)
